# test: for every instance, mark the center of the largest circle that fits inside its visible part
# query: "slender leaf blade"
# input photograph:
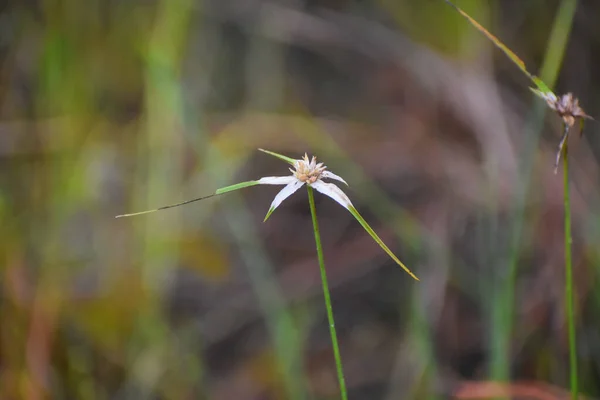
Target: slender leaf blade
(280, 156)
(377, 239)
(509, 53)
(216, 193)
(237, 186)
(271, 209)
(541, 85)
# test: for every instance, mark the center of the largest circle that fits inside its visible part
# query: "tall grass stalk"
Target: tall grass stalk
(503, 308)
(502, 313)
(569, 306)
(334, 341)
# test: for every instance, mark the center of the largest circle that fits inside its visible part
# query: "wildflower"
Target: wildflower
(311, 173)
(305, 172)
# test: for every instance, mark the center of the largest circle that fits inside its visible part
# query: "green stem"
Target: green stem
(336, 349)
(569, 279)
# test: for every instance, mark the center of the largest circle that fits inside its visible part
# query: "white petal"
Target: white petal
(329, 189)
(277, 180)
(331, 175)
(284, 194)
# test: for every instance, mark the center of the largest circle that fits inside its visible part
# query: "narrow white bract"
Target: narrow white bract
(307, 172)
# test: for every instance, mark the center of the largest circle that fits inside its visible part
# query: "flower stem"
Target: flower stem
(336, 350)
(569, 279)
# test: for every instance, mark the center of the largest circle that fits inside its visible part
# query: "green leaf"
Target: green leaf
(376, 238)
(509, 53)
(280, 156)
(269, 213)
(541, 85)
(218, 192)
(237, 186)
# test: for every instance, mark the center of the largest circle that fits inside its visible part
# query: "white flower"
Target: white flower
(304, 172)
(307, 172)
(310, 173)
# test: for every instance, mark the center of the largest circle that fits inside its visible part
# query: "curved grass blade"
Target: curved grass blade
(509, 53)
(216, 193)
(280, 156)
(377, 239)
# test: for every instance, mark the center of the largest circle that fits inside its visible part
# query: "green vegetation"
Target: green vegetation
(110, 107)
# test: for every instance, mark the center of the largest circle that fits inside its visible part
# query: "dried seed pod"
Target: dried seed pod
(567, 107)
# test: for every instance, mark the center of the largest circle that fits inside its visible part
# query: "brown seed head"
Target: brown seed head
(308, 171)
(567, 107)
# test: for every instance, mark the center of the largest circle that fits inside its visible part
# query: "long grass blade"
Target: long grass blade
(218, 192)
(280, 156)
(377, 239)
(237, 186)
(509, 53)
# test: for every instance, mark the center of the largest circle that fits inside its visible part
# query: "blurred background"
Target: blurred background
(109, 107)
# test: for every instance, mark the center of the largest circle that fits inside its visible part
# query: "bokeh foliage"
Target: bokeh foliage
(113, 106)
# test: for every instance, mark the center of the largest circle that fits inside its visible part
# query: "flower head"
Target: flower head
(566, 106)
(305, 171)
(308, 171)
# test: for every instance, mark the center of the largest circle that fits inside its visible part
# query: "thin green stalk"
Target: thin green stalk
(503, 311)
(569, 279)
(334, 342)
